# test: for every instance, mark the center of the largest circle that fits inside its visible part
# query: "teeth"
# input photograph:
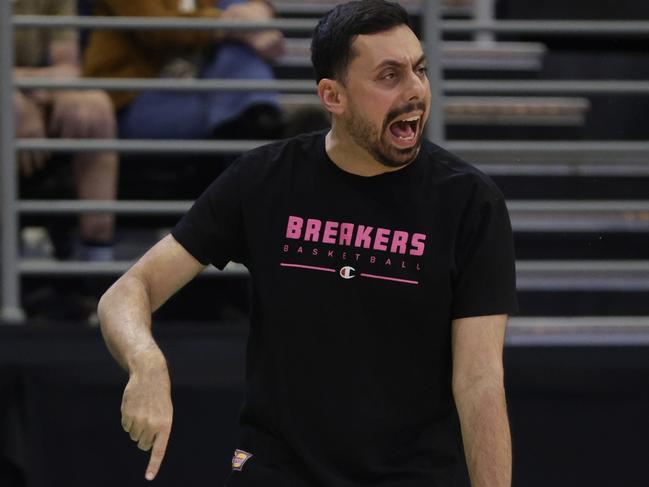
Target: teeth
(411, 119)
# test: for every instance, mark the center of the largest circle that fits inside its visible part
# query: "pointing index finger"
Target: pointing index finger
(157, 454)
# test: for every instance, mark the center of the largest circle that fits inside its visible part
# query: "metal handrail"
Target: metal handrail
(519, 27)
(613, 274)
(129, 207)
(578, 331)
(168, 146)
(432, 45)
(621, 207)
(573, 158)
(168, 84)
(322, 7)
(504, 87)
(75, 268)
(570, 275)
(591, 151)
(160, 23)
(9, 281)
(526, 215)
(305, 86)
(550, 27)
(558, 267)
(583, 275)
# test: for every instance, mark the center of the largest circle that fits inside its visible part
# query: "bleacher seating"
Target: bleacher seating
(575, 171)
(543, 179)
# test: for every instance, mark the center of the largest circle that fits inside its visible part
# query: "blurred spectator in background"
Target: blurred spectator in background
(54, 53)
(187, 54)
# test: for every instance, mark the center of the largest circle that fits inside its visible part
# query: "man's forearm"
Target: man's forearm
(125, 315)
(58, 71)
(147, 411)
(485, 432)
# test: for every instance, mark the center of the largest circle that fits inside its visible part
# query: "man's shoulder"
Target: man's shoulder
(283, 153)
(450, 166)
(281, 157)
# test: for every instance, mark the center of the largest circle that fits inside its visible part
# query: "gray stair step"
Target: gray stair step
(488, 110)
(526, 215)
(465, 55)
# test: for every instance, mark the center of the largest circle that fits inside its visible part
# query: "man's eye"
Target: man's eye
(389, 75)
(422, 70)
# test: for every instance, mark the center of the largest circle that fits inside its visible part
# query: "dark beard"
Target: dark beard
(361, 132)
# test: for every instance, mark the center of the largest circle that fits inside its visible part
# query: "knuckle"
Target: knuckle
(161, 424)
(144, 446)
(139, 418)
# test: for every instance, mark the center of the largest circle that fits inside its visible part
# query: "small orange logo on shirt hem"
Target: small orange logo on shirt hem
(240, 457)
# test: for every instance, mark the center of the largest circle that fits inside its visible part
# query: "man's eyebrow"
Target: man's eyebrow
(398, 64)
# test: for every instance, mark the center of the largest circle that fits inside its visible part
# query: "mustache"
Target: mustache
(410, 107)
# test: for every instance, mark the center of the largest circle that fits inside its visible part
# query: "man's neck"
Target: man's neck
(352, 158)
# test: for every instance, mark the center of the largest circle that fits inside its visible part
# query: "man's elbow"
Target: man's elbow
(486, 382)
(104, 306)
(127, 291)
(106, 303)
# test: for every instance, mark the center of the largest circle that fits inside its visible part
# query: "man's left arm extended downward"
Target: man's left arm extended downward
(478, 388)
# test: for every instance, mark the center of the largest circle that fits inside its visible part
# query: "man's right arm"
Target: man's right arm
(125, 316)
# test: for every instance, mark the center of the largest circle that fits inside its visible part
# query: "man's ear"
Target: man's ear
(332, 96)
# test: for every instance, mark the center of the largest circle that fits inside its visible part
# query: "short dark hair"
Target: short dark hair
(333, 36)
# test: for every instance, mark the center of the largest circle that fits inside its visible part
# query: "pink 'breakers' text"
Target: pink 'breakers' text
(352, 235)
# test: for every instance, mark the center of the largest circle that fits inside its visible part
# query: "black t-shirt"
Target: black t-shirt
(355, 281)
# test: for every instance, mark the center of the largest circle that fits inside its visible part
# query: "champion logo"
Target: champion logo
(239, 459)
(347, 272)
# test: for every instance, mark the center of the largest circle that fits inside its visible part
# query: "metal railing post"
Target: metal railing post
(484, 12)
(10, 310)
(432, 34)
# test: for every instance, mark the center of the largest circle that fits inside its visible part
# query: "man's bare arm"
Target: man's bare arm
(478, 388)
(125, 316)
(64, 62)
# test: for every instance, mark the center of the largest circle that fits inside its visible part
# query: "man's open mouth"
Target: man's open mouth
(405, 131)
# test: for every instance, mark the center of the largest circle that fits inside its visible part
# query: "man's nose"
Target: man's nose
(415, 87)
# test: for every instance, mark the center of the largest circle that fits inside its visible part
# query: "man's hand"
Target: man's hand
(269, 44)
(124, 313)
(147, 410)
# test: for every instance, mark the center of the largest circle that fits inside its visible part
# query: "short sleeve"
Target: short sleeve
(212, 230)
(485, 277)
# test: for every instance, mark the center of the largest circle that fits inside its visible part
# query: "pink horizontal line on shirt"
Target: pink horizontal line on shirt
(311, 267)
(386, 278)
